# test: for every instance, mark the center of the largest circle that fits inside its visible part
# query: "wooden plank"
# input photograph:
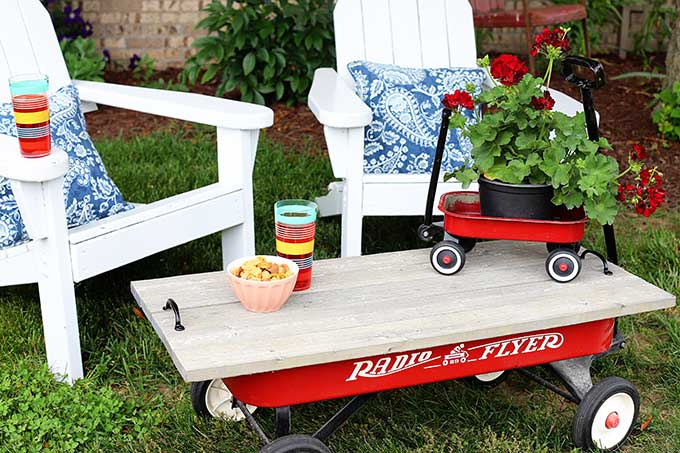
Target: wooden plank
(376, 304)
(18, 265)
(461, 34)
(378, 34)
(349, 36)
(406, 197)
(124, 245)
(22, 52)
(406, 33)
(434, 44)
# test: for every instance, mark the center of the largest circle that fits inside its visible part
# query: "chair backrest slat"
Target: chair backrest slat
(29, 45)
(410, 33)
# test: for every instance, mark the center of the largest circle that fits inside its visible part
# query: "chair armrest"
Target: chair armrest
(334, 104)
(196, 108)
(17, 168)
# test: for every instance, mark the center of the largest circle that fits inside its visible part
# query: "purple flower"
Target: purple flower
(133, 62)
(107, 56)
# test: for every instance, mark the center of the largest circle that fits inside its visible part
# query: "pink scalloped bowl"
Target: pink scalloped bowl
(263, 297)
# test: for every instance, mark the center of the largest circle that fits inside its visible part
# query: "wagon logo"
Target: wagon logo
(520, 345)
(388, 365)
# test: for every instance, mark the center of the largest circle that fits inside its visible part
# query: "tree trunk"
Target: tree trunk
(673, 56)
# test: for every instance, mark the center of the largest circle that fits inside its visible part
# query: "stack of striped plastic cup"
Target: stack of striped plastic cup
(295, 229)
(32, 113)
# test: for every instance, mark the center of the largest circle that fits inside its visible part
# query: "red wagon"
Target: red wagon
(463, 222)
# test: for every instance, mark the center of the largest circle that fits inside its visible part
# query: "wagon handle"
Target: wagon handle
(171, 304)
(587, 86)
(425, 231)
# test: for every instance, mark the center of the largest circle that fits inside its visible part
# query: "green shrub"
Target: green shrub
(265, 49)
(39, 414)
(667, 114)
(82, 59)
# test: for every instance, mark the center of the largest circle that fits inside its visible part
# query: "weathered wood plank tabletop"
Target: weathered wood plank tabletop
(377, 304)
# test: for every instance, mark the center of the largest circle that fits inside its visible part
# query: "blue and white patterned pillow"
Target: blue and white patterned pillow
(406, 104)
(89, 193)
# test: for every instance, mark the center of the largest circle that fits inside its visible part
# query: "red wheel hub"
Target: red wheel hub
(446, 259)
(564, 267)
(612, 420)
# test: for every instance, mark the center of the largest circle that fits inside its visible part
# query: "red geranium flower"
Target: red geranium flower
(508, 69)
(638, 152)
(543, 103)
(556, 38)
(458, 98)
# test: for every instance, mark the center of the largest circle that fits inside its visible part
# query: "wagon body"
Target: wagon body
(390, 371)
(462, 218)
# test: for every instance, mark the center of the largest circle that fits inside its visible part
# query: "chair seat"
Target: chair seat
(548, 15)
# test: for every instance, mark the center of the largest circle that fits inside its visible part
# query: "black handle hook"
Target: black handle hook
(594, 66)
(171, 304)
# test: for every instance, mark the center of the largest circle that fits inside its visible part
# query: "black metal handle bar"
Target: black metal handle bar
(171, 304)
(593, 65)
(425, 231)
(587, 86)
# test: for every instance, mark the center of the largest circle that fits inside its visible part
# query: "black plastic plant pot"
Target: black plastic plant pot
(517, 201)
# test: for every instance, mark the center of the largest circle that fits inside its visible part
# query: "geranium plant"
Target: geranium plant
(521, 140)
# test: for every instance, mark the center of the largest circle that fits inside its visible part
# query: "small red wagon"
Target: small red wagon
(463, 222)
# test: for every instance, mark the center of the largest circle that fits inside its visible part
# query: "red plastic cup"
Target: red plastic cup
(295, 230)
(31, 113)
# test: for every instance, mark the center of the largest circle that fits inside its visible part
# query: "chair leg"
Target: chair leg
(586, 36)
(528, 32)
(353, 195)
(352, 222)
(57, 294)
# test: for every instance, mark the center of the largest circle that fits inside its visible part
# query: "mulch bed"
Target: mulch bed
(622, 104)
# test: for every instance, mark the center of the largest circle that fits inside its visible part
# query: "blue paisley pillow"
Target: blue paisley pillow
(89, 193)
(406, 104)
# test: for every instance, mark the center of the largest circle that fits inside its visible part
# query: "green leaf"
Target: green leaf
(209, 74)
(249, 63)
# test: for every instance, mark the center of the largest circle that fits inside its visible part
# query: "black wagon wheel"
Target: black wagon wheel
(606, 415)
(298, 443)
(563, 265)
(487, 380)
(575, 246)
(467, 243)
(213, 399)
(447, 257)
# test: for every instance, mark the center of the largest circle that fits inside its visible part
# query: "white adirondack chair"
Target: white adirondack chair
(55, 257)
(408, 33)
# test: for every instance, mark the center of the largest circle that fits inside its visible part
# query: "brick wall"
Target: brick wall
(165, 29)
(162, 29)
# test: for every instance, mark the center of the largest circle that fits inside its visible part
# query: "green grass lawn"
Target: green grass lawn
(132, 398)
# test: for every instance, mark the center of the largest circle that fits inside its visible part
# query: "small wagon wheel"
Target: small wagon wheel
(487, 380)
(563, 265)
(606, 415)
(298, 443)
(447, 257)
(213, 399)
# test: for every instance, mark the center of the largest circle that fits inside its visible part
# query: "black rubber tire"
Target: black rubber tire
(296, 443)
(569, 257)
(575, 246)
(456, 252)
(467, 243)
(475, 382)
(198, 390)
(591, 403)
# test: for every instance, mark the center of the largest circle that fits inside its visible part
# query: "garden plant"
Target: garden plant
(521, 140)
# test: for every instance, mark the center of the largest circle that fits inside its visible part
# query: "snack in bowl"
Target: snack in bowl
(260, 269)
(262, 283)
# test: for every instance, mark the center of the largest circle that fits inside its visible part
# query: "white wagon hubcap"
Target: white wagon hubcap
(488, 377)
(454, 256)
(218, 400)
(612, 420)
